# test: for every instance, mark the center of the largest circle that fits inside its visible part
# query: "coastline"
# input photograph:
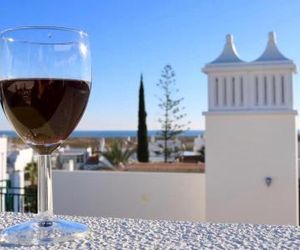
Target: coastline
(109, 133)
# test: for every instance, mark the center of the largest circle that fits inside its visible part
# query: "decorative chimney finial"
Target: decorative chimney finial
(272, 37)
(229, 54)
(229, 38)
(271, 52)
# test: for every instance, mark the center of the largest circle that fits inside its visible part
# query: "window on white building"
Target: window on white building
(217, 92)
(225, 92)
(265, 91)
(79, 159)
(274, 90)
(282, 90)
(256, 91)
(233, 91)
(242, 91)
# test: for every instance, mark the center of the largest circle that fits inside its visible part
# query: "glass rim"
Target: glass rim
(41, 27)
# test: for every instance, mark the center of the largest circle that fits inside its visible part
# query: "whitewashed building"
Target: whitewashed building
(18, 160)
(156, 149)
(3, 156)
(23, 157)
(199, 143)
(250, 177)
(3, 171)
(72, 158)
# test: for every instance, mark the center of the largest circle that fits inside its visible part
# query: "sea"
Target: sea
(109, 133)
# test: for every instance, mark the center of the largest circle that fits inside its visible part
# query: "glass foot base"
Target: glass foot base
(43, 232)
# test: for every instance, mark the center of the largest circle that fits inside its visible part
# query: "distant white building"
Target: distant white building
(102, 145)
(3, 156)
(156, 148)
(72, 158)
(23, 157)
(3, 171)
(17, 161)
(250, 177)
(199, 143)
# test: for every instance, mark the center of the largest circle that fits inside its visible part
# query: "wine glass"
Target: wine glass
(45, 81)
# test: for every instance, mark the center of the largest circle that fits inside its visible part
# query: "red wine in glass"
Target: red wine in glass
(44, 111)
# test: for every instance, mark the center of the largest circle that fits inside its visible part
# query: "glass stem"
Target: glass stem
(45, 195)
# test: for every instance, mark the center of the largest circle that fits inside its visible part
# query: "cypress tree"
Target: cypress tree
(142, 147)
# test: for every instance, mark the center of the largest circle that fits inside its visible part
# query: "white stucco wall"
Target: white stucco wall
(3, 170)
(3, 156)
(175, 196)
(241, 150)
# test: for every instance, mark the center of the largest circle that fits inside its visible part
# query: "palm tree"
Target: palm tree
(32, 171)
(118, 153)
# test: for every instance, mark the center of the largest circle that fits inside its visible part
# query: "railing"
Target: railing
(16, 199)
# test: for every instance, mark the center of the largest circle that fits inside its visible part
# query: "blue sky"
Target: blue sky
(130, 37)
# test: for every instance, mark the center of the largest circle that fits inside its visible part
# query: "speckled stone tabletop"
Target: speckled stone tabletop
(110, 233)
